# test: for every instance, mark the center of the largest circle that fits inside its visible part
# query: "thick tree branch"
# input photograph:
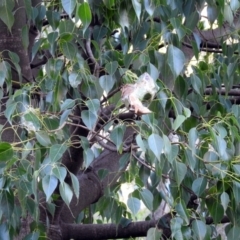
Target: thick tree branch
(105, 231)
(114, 231)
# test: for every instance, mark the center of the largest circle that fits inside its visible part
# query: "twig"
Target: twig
(91, 56)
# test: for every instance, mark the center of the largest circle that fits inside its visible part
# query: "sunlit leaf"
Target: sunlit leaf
(93, 106)
(56, 152)
(74, 79)
(199, 186)
(234, 233)
(106, 82)
(4, 233)
(68, 103)
(225, 200)
(60, 173)
(178, 122)
(6, 151)
(89, 118)
(155, 143)
(75, 185)
(176, 60)
(228, 14)
(43, 138)
(199, 229)
(147, 198)
(137, 8)
(66, 193)
(149, 7)
(85, 15)
(180, 171)
(133, 204)
(49, 184)
(68, 6)
(111, 67)
(117, 136)
(88, 157)
(182, 211)
(153, 234)
(64, 116)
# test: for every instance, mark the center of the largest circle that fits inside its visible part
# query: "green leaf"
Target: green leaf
(69, 50)
(111, 67)
(123, 161)
(25, 37)
(124, 222)
(140, 142)
(178, 122)
(6, 14)
(199, 229)
(199, 186)
(74, 79)
(64, 116)
(68, 103)
(149, 7)
(234, 233)
(49, 184)
(31, 121)
(66, 193)
(43, 138)
(56, 152)
(89, 118)
(106, 82)
(85, 15)
(7, 203)
(93, 106)
(9, 111)
(236, 191)
(102, 173)
(153, 234)
(134, 205)
(117, 136)
(212, 13)
(6, 151)
(53, 18)
(155, 143)
(193, 136)
(60, 173)
(216, 209)
(196, 83)
(225, 200)
(88, 157)
(147, 198)
(75, 185)
(180, 171)
(3, 72)
(153, 71)
(137, 8)
(234, 5)
(175, 59)
(68, 6)
(182, 211)
(4, 233)
(228, 14)
(176, 224)
(32, 236)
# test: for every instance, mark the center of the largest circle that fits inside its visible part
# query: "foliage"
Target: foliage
(94, 48)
